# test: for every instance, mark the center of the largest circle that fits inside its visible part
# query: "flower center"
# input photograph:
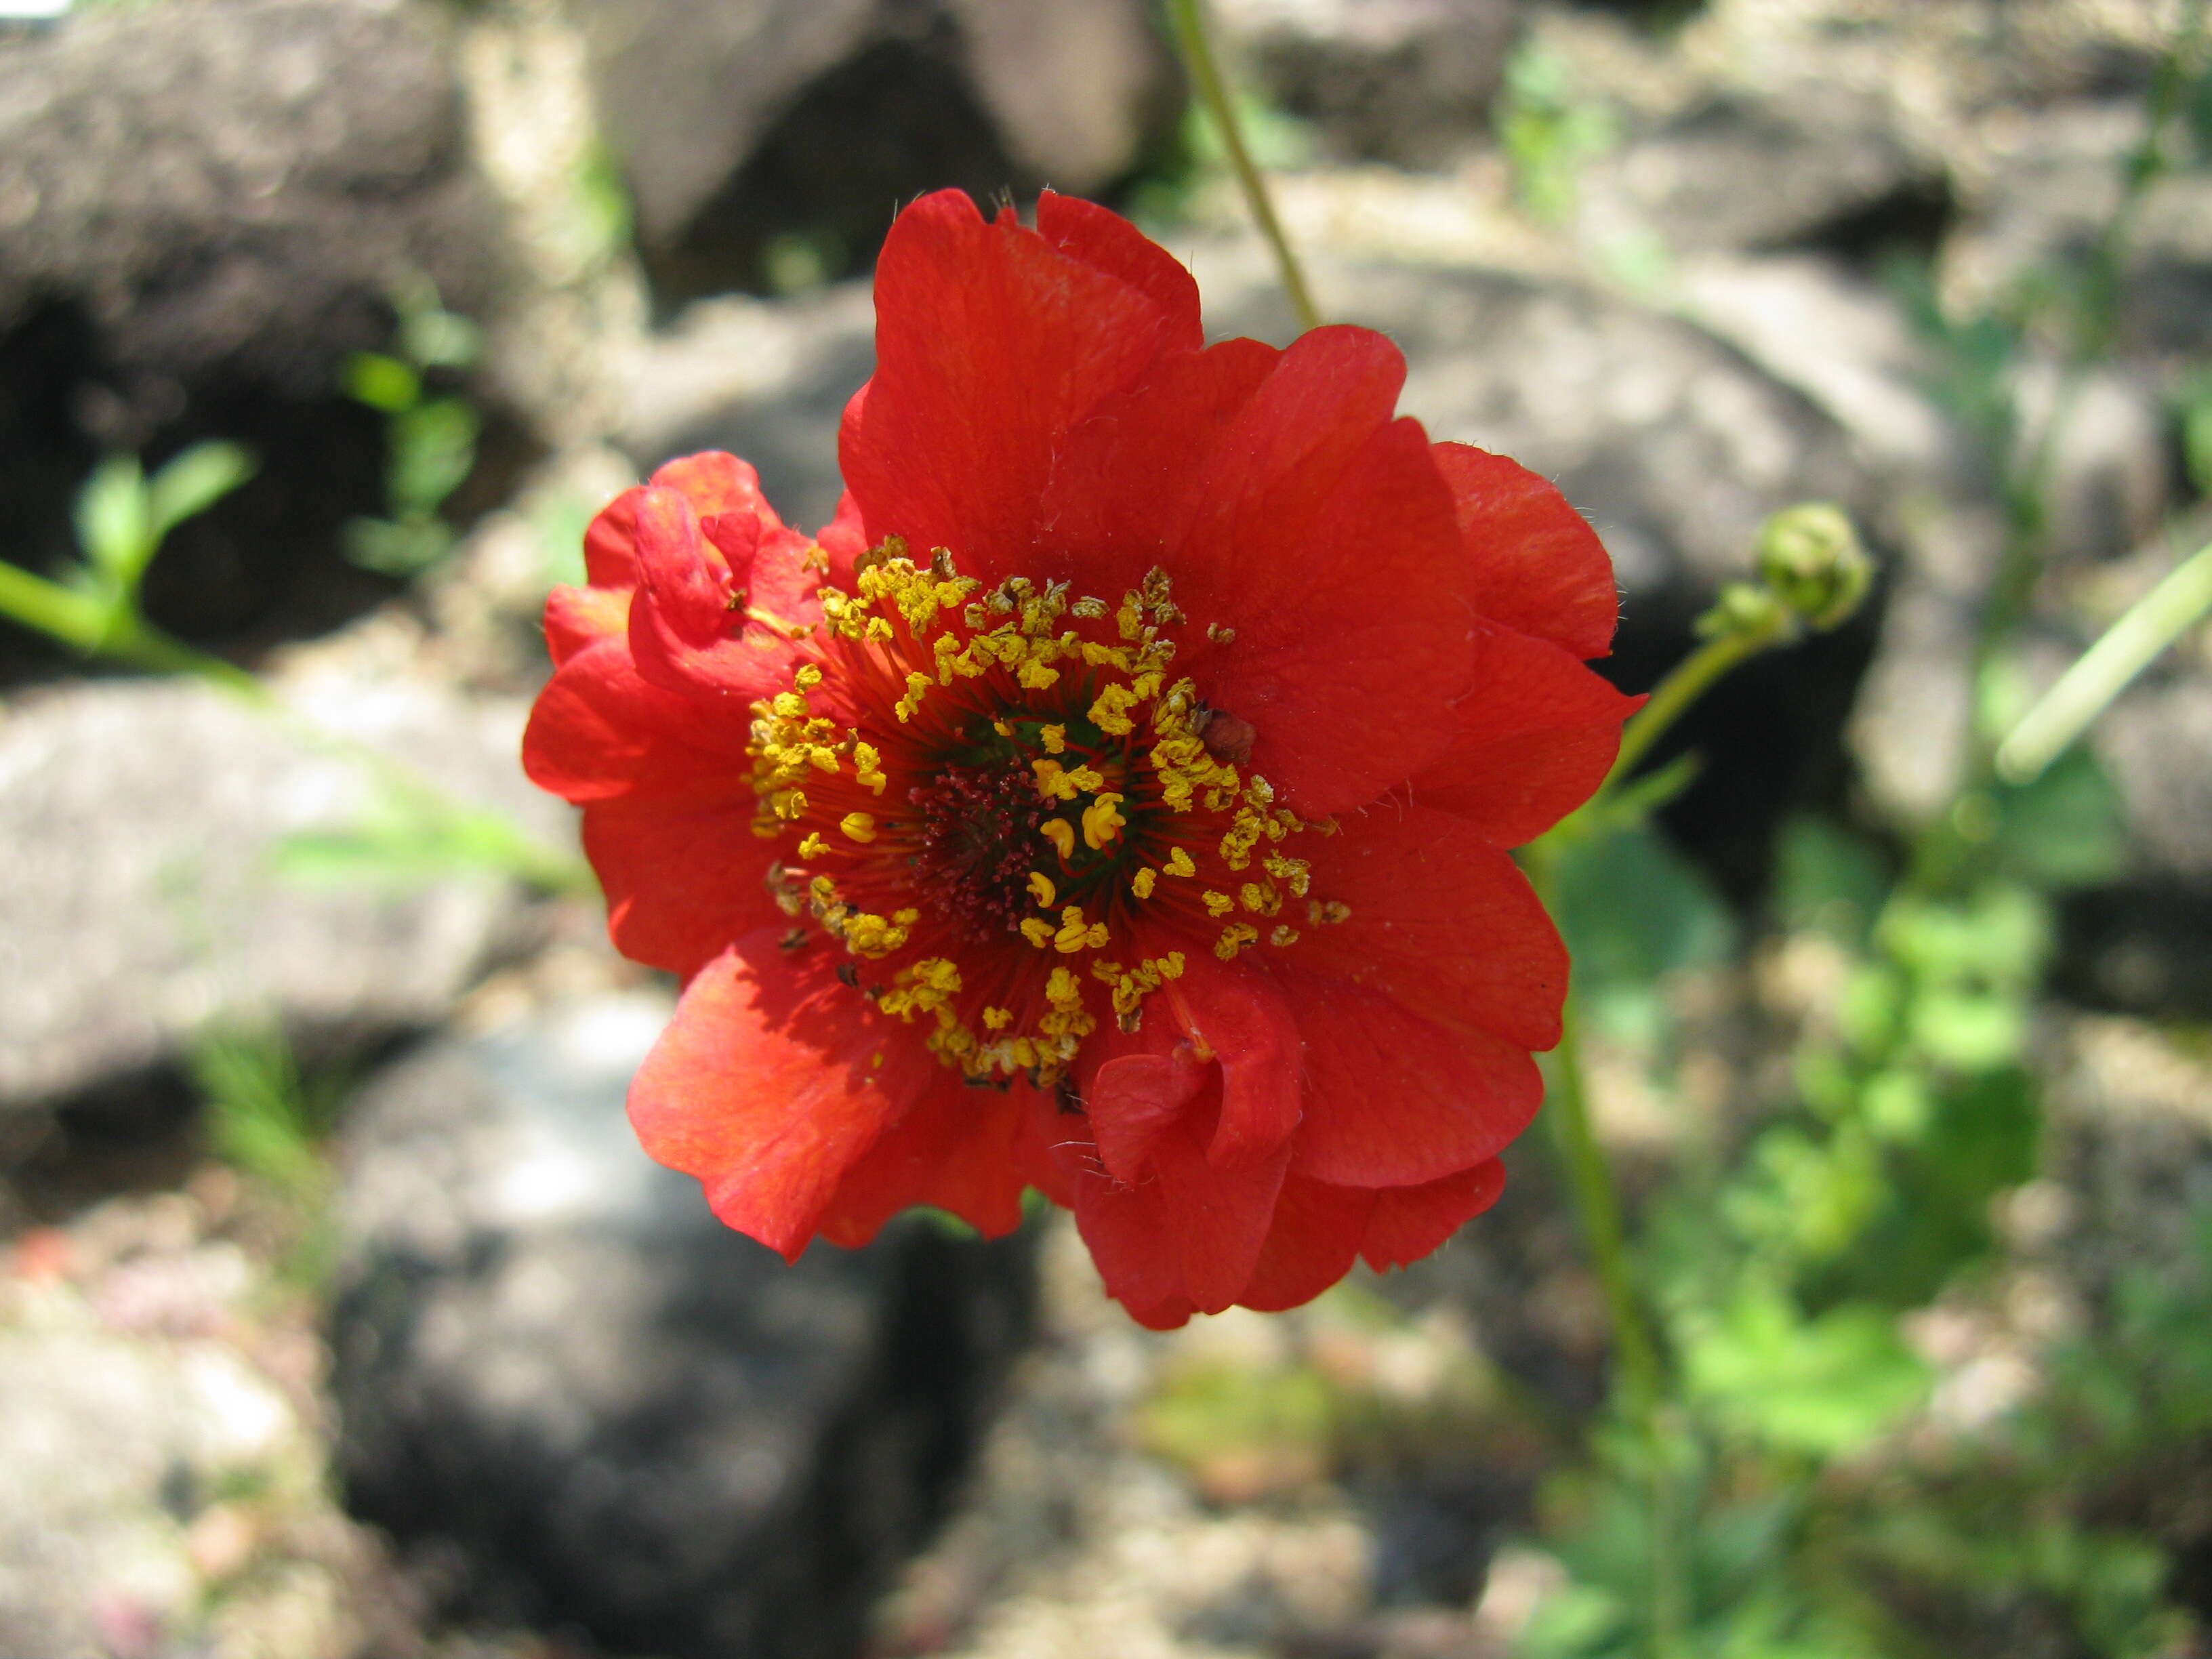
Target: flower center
(996, 796)
(978, 831)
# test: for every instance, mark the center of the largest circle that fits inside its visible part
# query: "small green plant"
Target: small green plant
(430, 436)
(271, 1122)
(122, 517)
(1549, 134)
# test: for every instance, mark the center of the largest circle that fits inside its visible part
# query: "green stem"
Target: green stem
(1590, 1176)
(97, 627)
(88, 623)
(2103, 671)
(1688, 681)
(1188, 17)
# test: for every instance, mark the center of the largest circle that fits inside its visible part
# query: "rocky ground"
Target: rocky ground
(468, 1377)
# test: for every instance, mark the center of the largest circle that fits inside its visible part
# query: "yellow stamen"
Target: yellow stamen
(1103, 821)
(1061, 834)
(1055, 738)
(1142, 883)
(858, 826)
(1042, 889)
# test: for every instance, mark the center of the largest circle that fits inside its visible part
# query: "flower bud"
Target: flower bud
(1746, 609)
(1810, 557)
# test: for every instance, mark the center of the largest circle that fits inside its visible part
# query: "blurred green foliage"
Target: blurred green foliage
(430, 437)
(1548, 132)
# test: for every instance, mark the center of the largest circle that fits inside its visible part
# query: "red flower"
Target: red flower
(1114, 799)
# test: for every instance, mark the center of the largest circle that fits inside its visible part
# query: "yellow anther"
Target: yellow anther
(1103, 821)
(808, 677)
(1233, 937)
(1130, 618)
(1143, 881)
(1088, 608)
(858, 826)
(916, 684)
(1283, 935)
(1002, 728)
(1055, 738)
(1170, 965)
(1218, 904)
(1042, 889)
(788, 705)
(790, 804)
(1037, 932)
(813, 847)
(1179, 863)
(1076, 934)
(1061, 834)
(1327, 911)
(1219, 635)
(1109, 713)
(1260, 897)
(997, 1019)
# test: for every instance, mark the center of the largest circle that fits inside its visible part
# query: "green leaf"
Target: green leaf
(1633, 909)
(401, 548)
(194, 480)
(2065, 829)
(1828, 880)
(382, 382)
(434, 445)
(115, 523)
(1822, 1386)
(433, 338)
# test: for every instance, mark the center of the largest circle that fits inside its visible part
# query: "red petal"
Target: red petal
(1538, 567)
(844, 538)
(598, 731)
(1441, 922)
(715, 482)
(1220, 1043)
(1393, 1100)
(1320, 531)
(956, 1149)
(1409, 1222)
(577, 616)
(1191, 1232)
(991, 345)
(610, 542)
(1537, 732)
(1132, 1099)
(1134, 473)
(685, 874)
(1312, 1244)
(1244, 1020)
(1106, 241)
(772, 1081)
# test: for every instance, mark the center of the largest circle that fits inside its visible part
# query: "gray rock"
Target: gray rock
(108, 1447)
(204, 210)
(236, 184)
(548, 1355)
(1795, 165)
(1404, 81)
(141, 821)
(2043, 197)
(767, 379)
(1671, 442)
(739, 123)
